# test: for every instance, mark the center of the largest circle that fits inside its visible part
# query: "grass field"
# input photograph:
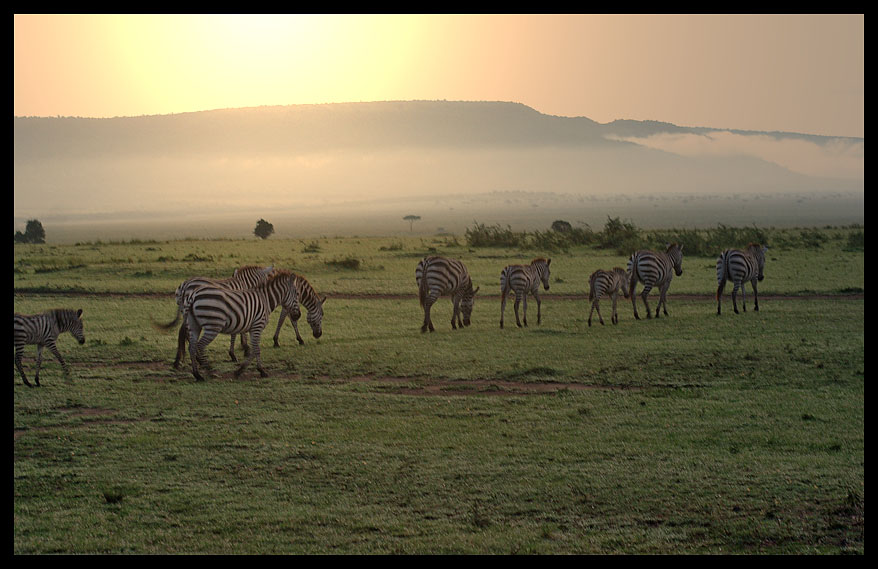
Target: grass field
(687, 434)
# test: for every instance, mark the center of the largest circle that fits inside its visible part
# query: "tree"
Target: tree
(411, 219)
(33, 233)
(263, 229)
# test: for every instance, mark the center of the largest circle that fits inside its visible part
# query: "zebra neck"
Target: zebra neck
(307, 295)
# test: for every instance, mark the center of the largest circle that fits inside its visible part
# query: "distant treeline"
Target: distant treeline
(625, 237)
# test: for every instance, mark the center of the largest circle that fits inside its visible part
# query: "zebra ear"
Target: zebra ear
(79, 313)
(548, 262)
(477, 289)
(323, 300)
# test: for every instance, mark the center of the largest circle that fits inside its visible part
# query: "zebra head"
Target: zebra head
(315, 318)
(758, 252)
(71, 321)
(622, 275)
(542, 266)
(466, 304)
(675, 253)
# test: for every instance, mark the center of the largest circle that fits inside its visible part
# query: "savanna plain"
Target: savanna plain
(691, 433)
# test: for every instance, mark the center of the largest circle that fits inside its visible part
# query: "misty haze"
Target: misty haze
(358, 168)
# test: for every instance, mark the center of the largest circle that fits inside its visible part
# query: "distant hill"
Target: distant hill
(287, 157)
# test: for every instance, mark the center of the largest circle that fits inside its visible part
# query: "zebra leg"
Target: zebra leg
(644, 295)
(615, 316)
(428, 322)
(719, 296)
(518, 301)
(743, 297)
(597, 306)
(631, 287)
(39, 364)
(54, 349)
(663, 299)
(502, 306)
(283, 315)
(539, 308)
(232, 355)
(455, 314)
(19, 352)
(255, 352)
(735, 297)
(755, 295)
(591, 312)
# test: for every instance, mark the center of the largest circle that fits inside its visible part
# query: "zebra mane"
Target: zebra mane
(62, 315)
(672, 245)
(540, 260)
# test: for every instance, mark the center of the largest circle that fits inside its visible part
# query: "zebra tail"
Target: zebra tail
(169, 325)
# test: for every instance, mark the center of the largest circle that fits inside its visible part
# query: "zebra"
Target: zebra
(243, 278)
(524, 279)
(654, 269)
(739, 267)
(437, 276)
(43, 330)
(308, 298)
(210, 310)
(606, 283)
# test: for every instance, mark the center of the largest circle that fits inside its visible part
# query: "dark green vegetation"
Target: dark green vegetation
(687, 434)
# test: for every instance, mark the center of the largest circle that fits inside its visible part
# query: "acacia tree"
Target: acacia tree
(263, 229)
(411, 219)
(33, 233)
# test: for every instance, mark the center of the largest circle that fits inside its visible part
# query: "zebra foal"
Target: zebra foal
(437, 276)
(212, 310)
(739, 267)
(606, 283)
(524, 279)
(654, 268)
(43, 330)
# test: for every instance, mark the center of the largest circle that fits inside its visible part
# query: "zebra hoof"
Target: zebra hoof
(301, 342)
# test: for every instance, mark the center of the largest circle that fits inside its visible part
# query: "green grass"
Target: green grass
(687, 434)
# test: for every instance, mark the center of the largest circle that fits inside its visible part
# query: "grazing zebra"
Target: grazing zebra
(243, 278)
(524, 279)
(43, 330)
(308, 298)
(211, 310)
(606, 283)
(654, 269)
(437, 276)
(739, 267)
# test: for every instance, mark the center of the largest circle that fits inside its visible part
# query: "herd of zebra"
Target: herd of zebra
(242, 304)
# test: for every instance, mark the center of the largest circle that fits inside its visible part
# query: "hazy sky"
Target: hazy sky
(799, 73)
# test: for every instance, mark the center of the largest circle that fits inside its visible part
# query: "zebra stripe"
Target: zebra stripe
(654, 269)
(739, 267)
(43, 330)
(242, 279)
(524, 279)
(308, 298)
(437, 276)
(606, 283)
(211, 310)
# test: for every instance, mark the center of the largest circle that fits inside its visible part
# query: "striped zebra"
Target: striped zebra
(243, 278)
(654, 269)
(212, 310)
(524, 279)
(308, 298)
(43, 330)
(739, 267)
(606, 283)
(312, 302)
(437, 276)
